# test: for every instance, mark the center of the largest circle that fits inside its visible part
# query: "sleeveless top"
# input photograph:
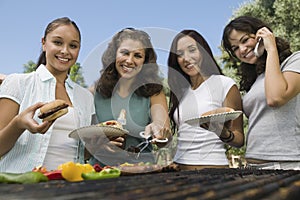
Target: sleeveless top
(61, 148)
(196, 145)
(137, 118)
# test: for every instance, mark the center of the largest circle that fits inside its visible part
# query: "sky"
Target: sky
(23, 24)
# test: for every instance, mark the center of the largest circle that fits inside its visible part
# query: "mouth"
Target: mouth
(128, 69)
(249, 54)
(189, 66)
(65, 60)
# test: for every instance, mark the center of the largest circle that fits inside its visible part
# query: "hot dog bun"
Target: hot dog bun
(53, 110)
(218, 110)
(111, 123)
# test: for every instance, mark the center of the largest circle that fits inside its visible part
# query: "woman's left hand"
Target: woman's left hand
(219, 128)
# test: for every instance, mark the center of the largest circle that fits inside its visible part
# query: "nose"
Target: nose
(186, 56)
(64, 49)
(242, 48)
(129, 58)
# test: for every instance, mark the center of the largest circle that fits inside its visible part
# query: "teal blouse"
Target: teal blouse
(137, 118)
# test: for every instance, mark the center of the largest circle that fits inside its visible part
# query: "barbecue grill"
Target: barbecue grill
(196, 184)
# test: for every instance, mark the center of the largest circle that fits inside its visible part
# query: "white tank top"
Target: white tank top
(61, 148)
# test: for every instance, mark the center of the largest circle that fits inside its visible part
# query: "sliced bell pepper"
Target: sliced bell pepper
(103, 174)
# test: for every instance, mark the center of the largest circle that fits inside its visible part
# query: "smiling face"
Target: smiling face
(62, 47)
(130, 58)
(188, 56)
(243, 44)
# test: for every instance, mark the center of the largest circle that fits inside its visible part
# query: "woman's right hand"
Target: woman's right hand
(25, 120)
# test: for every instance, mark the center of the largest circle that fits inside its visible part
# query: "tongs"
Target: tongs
(148, 140)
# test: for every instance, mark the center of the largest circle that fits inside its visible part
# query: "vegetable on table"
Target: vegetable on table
(72, 171)
(23, 178)
(109, 172)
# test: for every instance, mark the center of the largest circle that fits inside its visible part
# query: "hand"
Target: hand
(102, 144)
(26, 121)
(153, 129)
(159, 132)
(219, 128)
(268, 38)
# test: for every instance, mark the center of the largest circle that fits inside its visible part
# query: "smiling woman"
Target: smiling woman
(25, 140)
(129, 81)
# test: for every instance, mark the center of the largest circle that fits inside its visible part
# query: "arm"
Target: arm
(12, 124)
(233, 100)
(280, 86)
(160, 125)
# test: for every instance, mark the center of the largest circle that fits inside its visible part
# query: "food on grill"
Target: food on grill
(145, 167)
(218, 110)
(72, 171)
(106, 172)
(53, 110)
(52, 175)
(111, 123)
(23, 178)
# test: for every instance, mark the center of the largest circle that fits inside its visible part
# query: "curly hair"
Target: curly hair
(148, 82)
(249, 72)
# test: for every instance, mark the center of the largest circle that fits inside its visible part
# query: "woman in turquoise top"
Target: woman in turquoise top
(130, 81)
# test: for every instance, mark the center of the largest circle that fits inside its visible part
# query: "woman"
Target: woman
(27, 142)
(272, 86)
(198, 86)
(129, 81)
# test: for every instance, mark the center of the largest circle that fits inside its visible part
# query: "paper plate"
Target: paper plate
(221, 117)
(97, 131)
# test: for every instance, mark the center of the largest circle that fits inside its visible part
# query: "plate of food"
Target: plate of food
(110, 129)
(215, 117)
(145, 168)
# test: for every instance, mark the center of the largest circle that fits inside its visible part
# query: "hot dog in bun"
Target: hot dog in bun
(218, 110)
(53, 110)
(111, 123)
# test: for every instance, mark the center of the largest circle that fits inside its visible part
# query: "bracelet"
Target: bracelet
(229, 138)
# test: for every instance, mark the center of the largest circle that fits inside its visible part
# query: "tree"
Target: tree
(29, 67)
(75, 72)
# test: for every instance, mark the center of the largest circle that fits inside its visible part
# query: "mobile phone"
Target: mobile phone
(259, 48)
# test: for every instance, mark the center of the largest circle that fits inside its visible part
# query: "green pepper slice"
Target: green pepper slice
(103, 174)
(27, 177)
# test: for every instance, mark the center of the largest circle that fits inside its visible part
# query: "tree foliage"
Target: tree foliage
(75, 72)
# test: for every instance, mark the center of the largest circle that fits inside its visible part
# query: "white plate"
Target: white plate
(222, 117)
(96, 130)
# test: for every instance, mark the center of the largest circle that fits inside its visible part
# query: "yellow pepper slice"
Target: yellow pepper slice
(72, 171)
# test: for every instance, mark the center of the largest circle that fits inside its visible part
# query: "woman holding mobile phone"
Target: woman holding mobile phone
(272, 85)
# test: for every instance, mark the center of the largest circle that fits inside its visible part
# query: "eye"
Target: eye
(192, 49)
(57, 42)
(234, 48)
(138, 55)
(179, 53)
(124, 52)
(73, 46)
(245, 40)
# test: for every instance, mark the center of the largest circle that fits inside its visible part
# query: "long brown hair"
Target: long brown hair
(249, 72)
(178, 80)
(147, 82)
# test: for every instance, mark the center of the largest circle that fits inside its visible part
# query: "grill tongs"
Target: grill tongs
(148, 140)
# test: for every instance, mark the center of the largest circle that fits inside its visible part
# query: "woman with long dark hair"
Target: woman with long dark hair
(270, 76)
(197, 86)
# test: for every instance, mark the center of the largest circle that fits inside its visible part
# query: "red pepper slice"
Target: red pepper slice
(54, 175)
